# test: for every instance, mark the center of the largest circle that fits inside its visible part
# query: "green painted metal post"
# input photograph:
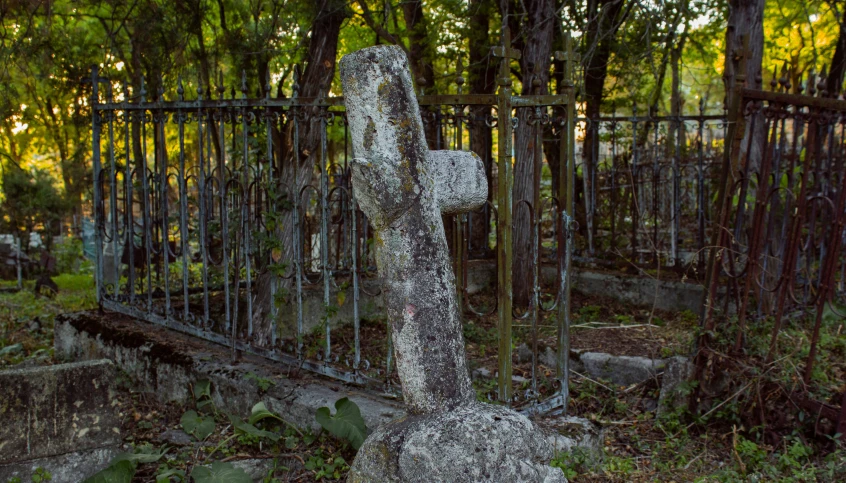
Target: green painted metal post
(504, 198)
(566, 206)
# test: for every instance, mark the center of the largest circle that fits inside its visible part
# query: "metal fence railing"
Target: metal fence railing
(216, 213)
(778, 246)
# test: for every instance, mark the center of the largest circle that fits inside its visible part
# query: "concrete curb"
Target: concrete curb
(166, 363)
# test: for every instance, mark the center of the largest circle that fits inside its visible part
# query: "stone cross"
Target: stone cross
(403, 188)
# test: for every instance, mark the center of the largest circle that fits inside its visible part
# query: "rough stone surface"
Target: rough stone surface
(256, 468)
(640, 291)
(165, 364)
(176, 437)
(403, 188)
(677, 370)
(53, 410)
(569, 433)
(621, 370)
(67, 468)
(477, 442)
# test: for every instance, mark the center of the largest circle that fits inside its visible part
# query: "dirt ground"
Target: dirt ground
(638, 446)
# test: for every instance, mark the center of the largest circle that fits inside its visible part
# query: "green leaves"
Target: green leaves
(143, 454)
(346, 423)
(202, 393)
(248, 428)
(122, 467)
(199, 426)
(118, 472)
(220, 473)
(260, 412)
(165, 475)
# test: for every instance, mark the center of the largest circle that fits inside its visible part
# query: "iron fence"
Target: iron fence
(217, 214)
(781, 211)
(648, 182)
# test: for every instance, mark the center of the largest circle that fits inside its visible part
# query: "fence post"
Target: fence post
(566, 206)
(503, 227)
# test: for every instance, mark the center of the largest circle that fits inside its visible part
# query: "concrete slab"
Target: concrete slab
(69, 467)
(166, 363)
(53, 410)
(621, 370)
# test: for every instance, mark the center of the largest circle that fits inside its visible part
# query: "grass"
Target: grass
(27, 319)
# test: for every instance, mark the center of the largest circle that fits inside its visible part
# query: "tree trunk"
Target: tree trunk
(482, 76)
(316, 81)
(420, 57)
(746, 20)
(537, 31)
(603, 21)
(834, 83)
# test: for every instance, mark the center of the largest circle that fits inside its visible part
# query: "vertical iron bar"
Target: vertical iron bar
(201, 185)
(183, 206)
(113, 196)
(95, 156)
(700, 191)
(224, 209)
(148, 208)
(324, 234)
(245, 212)
(130, 218)
(163, 198)
(274, 209)
(635, 205)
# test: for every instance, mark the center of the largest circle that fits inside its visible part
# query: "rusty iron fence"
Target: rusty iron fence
(778, 251)
(216, 213)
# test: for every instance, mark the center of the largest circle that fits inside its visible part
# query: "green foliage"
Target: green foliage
(119, 472)
(219, 472)
(260, 412)
(123, 466)
(202, 394)
(198, 426)
(326, 467)
(165, 474)
(573, 463)
(41, 475)
(589, 313)
(346, 423)
(478, 334)
(69, 255)
(248, 429)
(623, 319)
(263, 383)
(31, 199)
